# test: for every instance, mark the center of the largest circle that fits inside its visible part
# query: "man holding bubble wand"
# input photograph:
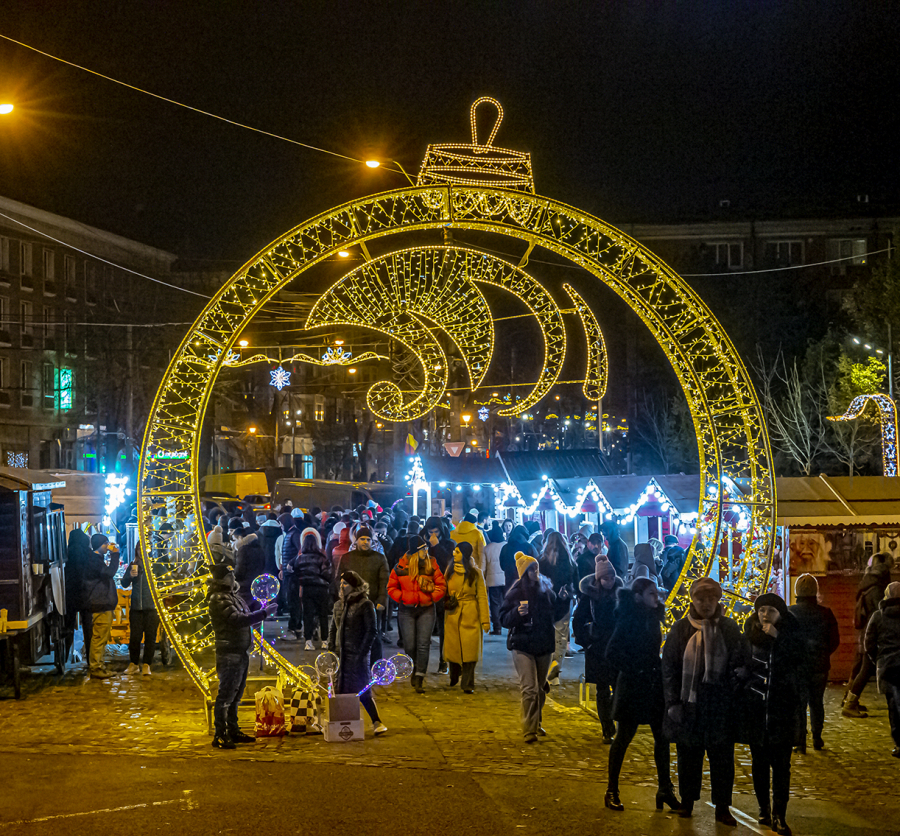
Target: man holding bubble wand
(232, 622)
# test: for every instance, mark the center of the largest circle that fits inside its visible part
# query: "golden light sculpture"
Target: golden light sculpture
(887, 417)
(597, 374)
(397, 293)
(731, 433)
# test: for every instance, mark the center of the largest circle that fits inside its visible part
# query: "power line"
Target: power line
(186, 106)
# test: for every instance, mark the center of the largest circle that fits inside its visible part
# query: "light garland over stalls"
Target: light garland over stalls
(728, 420)
(887, 417)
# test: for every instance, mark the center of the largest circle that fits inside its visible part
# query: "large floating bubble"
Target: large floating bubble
(403, 665)
(327, 664)
(265, 588)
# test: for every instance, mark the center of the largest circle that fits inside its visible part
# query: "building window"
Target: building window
(48, 386)
(69, 270)
(4, 254)
(69, 332)
(4, 313)
(846, 252)
(49, 265)
(48, 323)
(26, 268)
(784, 253)
(27, 385)
(319, 414)
(26, 313)
(728, 254)
(307, 468)
(5, 382)
(64, 384)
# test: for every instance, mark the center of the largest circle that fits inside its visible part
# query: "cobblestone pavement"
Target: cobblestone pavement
(162, 715)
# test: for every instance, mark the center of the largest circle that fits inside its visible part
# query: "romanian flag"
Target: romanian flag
(411, 444)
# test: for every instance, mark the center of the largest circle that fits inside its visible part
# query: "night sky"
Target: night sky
(632, 110)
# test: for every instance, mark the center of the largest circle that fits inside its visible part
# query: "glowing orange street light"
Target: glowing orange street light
(6, 108)
(376, 163)
(243, 343)
(252, 430)
(351, 371)
(373, 163)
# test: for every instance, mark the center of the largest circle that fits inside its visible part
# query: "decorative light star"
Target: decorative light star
(483, 413)
(280, 378)
(335, 356)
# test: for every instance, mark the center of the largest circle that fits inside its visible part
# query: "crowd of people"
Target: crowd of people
(348, 575)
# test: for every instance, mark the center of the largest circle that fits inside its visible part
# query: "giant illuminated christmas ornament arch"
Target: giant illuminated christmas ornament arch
(460, 187)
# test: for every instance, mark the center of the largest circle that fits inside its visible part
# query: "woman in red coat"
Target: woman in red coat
(416, 584)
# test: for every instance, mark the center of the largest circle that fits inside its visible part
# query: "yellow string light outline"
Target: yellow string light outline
(596, 375)
(887, 418)
(731, 433)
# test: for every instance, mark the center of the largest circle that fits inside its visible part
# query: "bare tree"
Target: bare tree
(664, 425)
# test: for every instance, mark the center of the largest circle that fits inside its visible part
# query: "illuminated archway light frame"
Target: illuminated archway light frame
(887, 417)
(728, 421)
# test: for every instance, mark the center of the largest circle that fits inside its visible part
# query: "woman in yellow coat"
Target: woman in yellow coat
(467, 620)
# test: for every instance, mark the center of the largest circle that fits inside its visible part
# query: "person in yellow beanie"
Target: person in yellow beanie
(529, 611)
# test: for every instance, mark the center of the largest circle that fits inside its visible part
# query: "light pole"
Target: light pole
(376, 163)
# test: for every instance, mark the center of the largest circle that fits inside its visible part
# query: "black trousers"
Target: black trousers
(721, 772)
(774, 758)
(811, 688)
(624, 735)
(294, 605)
(604, 707)
(861, 679)
(464, 672)
(892, 692)
(143, 625)
(495, 599)
(315, 610)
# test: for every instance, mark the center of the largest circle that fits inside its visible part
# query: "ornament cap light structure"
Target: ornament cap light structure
(496, 197)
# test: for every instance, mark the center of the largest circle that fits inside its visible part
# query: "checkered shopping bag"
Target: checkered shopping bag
(269, 713)
(305, 711)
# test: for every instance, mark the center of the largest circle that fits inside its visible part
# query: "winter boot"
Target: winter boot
(852, 707)
(859, 705)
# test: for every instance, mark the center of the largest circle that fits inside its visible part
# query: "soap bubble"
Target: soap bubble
(327, 664)
(383, 672)
(265, 588)
(403, 665)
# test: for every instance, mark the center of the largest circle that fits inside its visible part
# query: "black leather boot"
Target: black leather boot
(765, 816)
(667, 796)
(779, 825)
(611, 800)
(723, 816)
(687, 809)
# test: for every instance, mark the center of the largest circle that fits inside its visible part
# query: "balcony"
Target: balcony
(71, 293)
(4, 398)
(5, 278)
(27, 341)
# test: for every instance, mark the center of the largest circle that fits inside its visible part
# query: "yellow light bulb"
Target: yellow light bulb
(373, 163)
(6, 108)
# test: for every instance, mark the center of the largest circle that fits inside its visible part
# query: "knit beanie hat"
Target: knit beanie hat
(215, 536)
(363, 531)
(705, 585)
(351, 578)
(98, 540)
(806, 586)
(472, 515)
(603, 568)
(770, 599)
(523, 561)
(220, 571)
(296, 512)
(670, 540)
(893, 590)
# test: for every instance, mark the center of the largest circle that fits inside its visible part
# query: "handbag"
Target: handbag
(305, 711)
(269, 712)
(451, 603)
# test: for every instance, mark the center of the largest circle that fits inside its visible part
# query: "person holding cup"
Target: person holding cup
(529, 611)
(143, 619)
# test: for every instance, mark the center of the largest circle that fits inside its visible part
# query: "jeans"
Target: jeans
(892, 692)
(811, 688)
(144, 625)
(721, 772)
(624, 736)
(495, 599)
(315, 609)
(464, 671)
(777, 758)
(439, 621)
(532, 672)
(416, 625)
(562, 637)
(232, 670)
(101, 626)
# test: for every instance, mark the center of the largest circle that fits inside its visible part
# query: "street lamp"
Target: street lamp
(376, 163)
(5, 108)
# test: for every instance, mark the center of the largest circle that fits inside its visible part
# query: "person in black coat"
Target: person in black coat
(529, 611)
(232, 620)
(268, 534)
(313, 574)
(352, 633)
(618, 551)
(99, 595)
(882, 644)
(633, 651)
(593, 623)
(517, 542)
(771, 702)
(868, 596)
(702, 662)
(672, 562)
(820, 636)
(77, 556)
(250, 563)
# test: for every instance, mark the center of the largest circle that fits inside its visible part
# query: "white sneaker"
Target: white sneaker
(132, 668)
(554, 681)
(324, 645)
(381, 728)
(145, 670)
(310, 645)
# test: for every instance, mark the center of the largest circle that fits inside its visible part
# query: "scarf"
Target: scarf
(704, 653)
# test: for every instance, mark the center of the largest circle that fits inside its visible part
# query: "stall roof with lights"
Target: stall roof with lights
(554, 464)
(462, 470)
(838, 500)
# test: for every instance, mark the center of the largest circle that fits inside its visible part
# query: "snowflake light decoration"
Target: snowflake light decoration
(281, 377)
(483, 413)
